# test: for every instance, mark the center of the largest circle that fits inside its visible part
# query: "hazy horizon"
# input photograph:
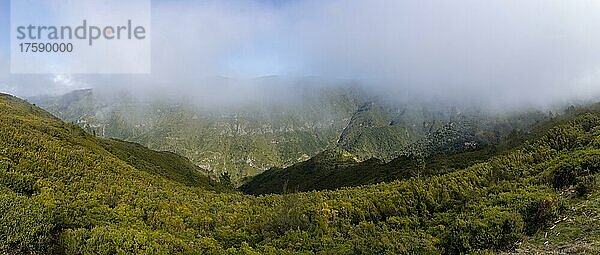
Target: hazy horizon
(498, 54)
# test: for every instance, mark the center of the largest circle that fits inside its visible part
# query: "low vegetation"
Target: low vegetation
(64, 191)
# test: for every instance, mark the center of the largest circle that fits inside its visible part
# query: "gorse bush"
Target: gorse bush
(27, 225)
(64, 191)
(567, 171)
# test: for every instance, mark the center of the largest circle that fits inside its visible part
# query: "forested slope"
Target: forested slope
(331, 169)
(246, 140)
(163, 163)
(62, 192)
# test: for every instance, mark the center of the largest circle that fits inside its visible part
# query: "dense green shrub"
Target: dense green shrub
(574, 165)
(493, 228)
(586, 185)
(27, 225)
(66, 193)
(538, 214)
(18, 182)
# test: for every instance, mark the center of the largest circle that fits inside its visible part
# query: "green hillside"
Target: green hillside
(166, 164)
(63, 192)
(322, 172)
(448, 151)
(372, 132)
(243, 141)
(246, 140)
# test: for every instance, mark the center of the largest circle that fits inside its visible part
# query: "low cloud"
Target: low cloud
(498, 53)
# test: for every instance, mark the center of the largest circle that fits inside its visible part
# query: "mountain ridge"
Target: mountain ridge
(246, 142)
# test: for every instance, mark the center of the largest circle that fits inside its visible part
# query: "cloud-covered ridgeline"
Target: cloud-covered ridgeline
(497, 52)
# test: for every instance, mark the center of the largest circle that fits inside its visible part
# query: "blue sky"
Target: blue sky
(257, 60)
(4, 24)
(245, 58)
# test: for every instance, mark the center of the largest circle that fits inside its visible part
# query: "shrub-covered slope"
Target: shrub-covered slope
(245, 140)
(163, 163)
(328, 170)
(62, 192)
